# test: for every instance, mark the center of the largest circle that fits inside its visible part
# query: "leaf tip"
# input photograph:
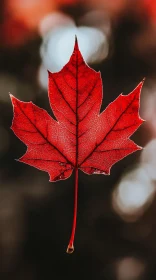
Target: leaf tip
(18, 159)
(143, 79)
(11, 96)
(140, 85)
(139, 148)
(76, 40)
(14, 100)
(49, 73)
(142, 120)
(76, 47)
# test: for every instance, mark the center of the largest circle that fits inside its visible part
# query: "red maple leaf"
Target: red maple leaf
(82, 138)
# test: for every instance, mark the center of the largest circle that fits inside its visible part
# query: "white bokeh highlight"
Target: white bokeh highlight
(134, 193)
(58, 46)
(129, 268)
(54, 20)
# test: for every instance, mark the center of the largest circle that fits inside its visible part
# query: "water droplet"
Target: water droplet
(63, 163)
(92, 170)
(96, 171)
(59, 177)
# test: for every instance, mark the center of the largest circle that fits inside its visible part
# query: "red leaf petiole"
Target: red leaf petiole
(70, 248)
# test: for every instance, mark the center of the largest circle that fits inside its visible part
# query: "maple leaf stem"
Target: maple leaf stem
(70, 248)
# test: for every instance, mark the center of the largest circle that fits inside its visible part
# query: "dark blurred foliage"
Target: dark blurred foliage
(35, 215)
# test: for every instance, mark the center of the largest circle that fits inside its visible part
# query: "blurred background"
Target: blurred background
(116, 227)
